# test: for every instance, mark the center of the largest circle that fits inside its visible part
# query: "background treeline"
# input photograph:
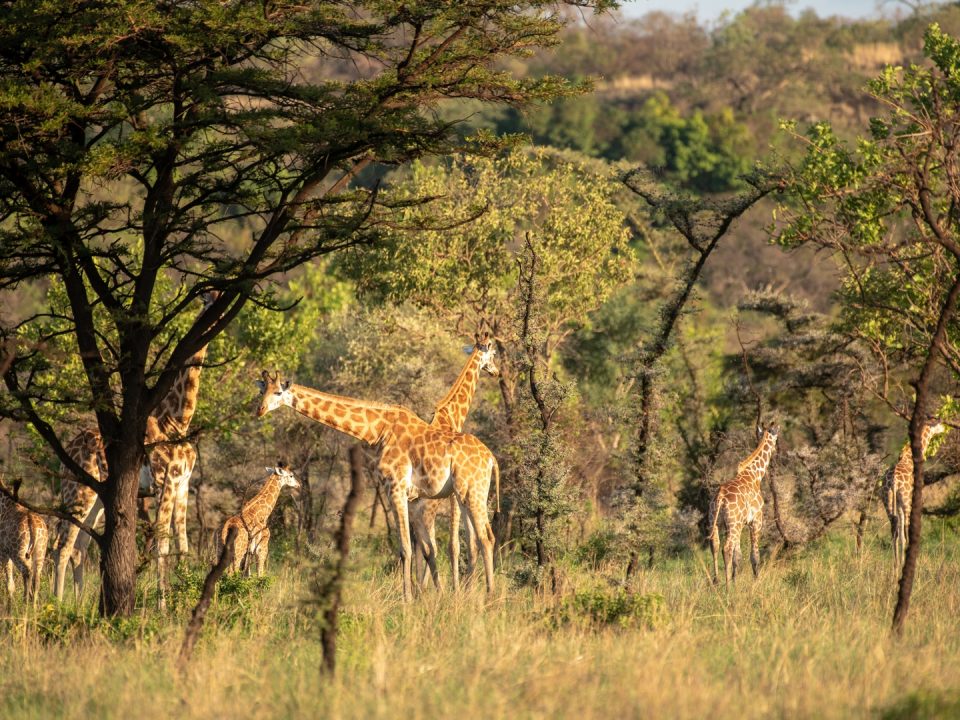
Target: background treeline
(547, 248)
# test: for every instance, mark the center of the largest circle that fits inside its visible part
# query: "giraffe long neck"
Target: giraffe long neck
(906, 455)
(756, 464)
(180, 403)
(6, 503)
(259, 507)
(361, 419)
(452, 411)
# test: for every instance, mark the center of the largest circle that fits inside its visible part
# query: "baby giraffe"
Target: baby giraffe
(23, 544)
(253, 535)
(738, 503)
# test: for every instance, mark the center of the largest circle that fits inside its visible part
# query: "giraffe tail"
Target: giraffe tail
(714, 516)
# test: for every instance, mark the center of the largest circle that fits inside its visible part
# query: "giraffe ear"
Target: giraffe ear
(260, 384)
(285, 385)
(468, 349)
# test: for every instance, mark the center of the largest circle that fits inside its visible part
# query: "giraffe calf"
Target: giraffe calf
(252, 540)
(23, 545)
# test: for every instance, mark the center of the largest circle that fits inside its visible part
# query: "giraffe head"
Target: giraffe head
(274, 392)
(935, 426)
(285, 475)
(485, 345)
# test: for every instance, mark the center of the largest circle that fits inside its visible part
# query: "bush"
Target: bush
(600, 546)
(619, 609)
(923, 704)
(61, 624)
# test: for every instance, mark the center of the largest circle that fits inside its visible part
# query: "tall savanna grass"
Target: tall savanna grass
(810, 638)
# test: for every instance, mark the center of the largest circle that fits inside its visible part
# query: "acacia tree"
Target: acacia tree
(889, 210)
(186, 139)
(549, 247)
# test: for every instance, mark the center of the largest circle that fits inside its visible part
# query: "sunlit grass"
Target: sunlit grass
(808, 639)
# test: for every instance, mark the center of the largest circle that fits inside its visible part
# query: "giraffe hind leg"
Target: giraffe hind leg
(731, 553)
(477, 506)
(714, 542)
(755, 529)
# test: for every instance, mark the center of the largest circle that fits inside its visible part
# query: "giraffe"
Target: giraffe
(898, 491)
(82, 502)
(171, 457)
(450, 414)
(23, 545)
(167, 460)
(738, 503)
(253, 535)
(414, 459)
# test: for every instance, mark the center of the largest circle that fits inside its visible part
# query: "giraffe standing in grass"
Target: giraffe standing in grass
(415, 459)
(898, 491)
(738, 503)
(253, 536)
(451, 414)
(170, 461)
(23, 546)
(81, 501)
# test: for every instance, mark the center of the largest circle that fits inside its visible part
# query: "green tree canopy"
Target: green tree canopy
(141, 139)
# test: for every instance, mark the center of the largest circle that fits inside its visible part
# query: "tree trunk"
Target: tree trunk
(118, 547)
(328, 634)
(917, 421)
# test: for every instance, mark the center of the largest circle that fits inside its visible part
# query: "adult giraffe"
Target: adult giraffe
(415, 459)
(738, 503)
(169, 464)
(898, 491)
(451, 414)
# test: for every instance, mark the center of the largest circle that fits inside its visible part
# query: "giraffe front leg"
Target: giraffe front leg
(71, 545)
(755, 529)
(900, 548)
(398, 499)
(165, 505)
(263, 548)
(11, 586)
(180, 515)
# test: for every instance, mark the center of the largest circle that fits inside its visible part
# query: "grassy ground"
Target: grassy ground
(809, 639)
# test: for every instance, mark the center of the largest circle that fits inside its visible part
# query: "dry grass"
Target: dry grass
(809, 639)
